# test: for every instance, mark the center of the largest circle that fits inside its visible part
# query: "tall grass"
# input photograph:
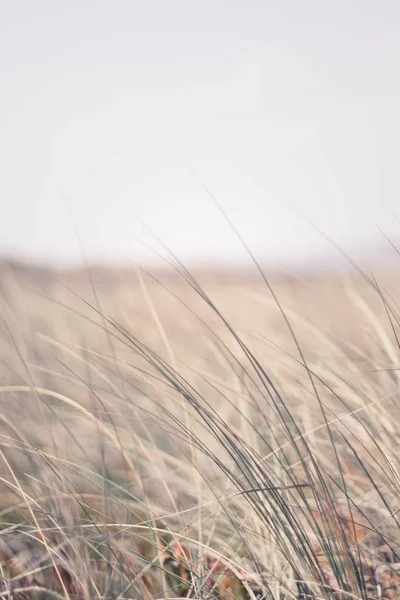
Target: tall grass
(153, 445)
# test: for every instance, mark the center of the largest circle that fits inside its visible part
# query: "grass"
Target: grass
(170, 436)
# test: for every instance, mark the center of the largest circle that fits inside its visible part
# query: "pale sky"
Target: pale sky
(281, 107)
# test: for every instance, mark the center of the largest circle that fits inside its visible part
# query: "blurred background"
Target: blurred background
(253, 411)
(117, 116)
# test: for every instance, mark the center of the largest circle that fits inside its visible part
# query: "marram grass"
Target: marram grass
(152, 445)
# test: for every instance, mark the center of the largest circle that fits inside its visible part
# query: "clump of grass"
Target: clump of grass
(245, 468)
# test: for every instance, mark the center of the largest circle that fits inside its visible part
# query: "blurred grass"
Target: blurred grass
(163, 435)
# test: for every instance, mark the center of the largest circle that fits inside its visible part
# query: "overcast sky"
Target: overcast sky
(285, 110)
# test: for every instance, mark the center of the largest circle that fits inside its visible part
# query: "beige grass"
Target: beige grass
(97, 439)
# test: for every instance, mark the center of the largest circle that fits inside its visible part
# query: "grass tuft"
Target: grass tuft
(168, 438)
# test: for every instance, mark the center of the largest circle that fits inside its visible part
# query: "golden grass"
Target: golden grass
(135, 420)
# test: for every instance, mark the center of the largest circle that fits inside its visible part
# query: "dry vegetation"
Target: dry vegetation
(162, 436)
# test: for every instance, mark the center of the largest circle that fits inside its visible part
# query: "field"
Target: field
(211, 434)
